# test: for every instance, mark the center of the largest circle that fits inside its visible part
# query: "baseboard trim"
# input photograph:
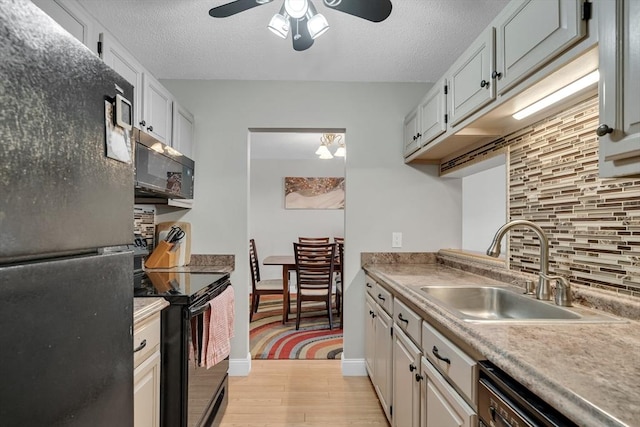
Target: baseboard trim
(354, 368)
(240, 367)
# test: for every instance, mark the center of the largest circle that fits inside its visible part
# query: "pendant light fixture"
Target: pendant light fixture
(326, 140)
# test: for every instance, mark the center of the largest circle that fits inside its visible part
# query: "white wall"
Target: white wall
(382, 193)
(484, 207)
(275, 228)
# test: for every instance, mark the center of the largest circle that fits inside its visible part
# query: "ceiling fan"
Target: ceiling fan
(301, 18)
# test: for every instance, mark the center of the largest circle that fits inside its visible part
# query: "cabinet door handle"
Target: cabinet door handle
(402, 319)
(380, 297)
(496, 75)
(142, 345)
(150, 128)
(419, 135)
(419, 377)
(603, 130)
(143, 123)
(415, 137)
(446, 360)
(369, 285)
(412, 367)
(484, 83)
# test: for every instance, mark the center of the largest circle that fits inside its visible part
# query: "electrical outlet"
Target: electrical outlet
(396, 239)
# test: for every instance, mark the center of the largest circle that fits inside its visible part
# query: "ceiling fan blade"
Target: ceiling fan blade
(300, 34)
(372, 10)
(234, 7)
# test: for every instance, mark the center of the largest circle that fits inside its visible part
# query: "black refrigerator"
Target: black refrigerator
(66, 216)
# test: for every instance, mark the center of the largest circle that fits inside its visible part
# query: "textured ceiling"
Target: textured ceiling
(177, 39)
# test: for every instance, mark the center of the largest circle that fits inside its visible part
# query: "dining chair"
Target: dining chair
(340, 278)
(314, 268)
(313, 240)
(258, 286)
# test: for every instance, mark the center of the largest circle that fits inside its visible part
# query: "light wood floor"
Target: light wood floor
(301, 393)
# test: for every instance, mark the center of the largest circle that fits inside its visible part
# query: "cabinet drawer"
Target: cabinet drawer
(384, 298)
(407, 320)
(146, 338)
(450, 360)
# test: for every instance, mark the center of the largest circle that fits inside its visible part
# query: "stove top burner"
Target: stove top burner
(174, 284)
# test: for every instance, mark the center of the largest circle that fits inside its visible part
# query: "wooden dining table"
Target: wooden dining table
(288, 262)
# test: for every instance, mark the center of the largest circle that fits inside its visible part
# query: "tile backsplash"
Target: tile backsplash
(593, 224)
(144, 219)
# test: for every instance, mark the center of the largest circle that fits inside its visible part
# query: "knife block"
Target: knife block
(162, 256)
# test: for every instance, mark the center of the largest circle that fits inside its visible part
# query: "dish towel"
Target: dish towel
(217, 329)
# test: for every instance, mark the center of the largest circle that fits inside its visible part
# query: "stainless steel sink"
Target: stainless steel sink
(503, 304)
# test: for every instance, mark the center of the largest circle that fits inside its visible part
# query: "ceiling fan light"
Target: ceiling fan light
(317, 25)
(296, 8)
(279, 25)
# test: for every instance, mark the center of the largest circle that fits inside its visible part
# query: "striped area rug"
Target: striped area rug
(270, 339)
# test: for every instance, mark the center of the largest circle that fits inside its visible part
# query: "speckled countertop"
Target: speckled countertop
(589, 372)
(205, 264)
(145, 307)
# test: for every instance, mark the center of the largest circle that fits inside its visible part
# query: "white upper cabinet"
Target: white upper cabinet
(157, 109)
(531, 33)
(619, 50)
(182, 130)
(432, 111)
(470, 84)
(73, 18)
(118, 58)
(411, 135)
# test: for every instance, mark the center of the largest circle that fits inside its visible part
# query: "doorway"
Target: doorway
(274, 155)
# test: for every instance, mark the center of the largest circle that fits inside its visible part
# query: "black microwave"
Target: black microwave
(161, 171)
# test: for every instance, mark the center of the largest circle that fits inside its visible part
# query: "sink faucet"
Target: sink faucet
(543, 290)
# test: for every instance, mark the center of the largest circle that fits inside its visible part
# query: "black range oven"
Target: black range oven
(191, 395)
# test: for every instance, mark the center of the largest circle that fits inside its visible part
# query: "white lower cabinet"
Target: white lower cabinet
(421, 377)
(146, 392)
(406, 381)
(441, 405)
(146, 374)
(379, 342)
(382, 370)
(369, 334)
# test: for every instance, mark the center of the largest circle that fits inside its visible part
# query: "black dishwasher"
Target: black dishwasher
(504, 402)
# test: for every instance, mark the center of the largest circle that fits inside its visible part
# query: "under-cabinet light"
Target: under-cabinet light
(558, 95)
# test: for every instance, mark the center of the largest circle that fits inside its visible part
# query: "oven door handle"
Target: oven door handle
(197, 311)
